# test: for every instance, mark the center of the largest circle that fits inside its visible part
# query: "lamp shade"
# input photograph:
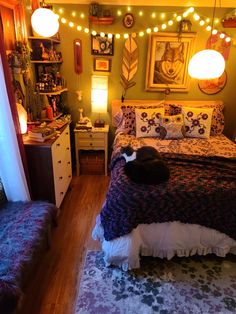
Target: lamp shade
(22, 114)
(206, 64)
(99, 93)
(45, 22)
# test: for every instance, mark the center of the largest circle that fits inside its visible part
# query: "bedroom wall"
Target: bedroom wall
(82, 82)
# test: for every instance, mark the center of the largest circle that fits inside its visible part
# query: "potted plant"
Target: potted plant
(19, 58)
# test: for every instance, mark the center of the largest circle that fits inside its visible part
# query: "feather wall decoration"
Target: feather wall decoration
(129, 64)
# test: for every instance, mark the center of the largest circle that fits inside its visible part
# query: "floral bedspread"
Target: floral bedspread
(201, 189)
(23, 226)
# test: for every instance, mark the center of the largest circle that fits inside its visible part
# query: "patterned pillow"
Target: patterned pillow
(129, 115)
(217, 122)
(172, 127)
(197, 121)
(148, 122)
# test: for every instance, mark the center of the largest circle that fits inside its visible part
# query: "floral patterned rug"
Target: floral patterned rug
(196, 285)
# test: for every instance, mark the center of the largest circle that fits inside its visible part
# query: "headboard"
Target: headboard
(116, 104)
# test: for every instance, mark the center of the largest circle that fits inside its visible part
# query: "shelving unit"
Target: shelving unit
(46, 59)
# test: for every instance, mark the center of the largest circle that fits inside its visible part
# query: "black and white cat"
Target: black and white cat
(145, 165)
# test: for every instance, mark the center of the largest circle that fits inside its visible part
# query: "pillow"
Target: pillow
(129, 115)
(197, 121)
(172, 127)
(148, 122)
(217, 122)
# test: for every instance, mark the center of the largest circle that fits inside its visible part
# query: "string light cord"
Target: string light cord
(176, 17)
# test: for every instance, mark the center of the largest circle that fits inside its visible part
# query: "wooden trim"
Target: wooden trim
(19, 18)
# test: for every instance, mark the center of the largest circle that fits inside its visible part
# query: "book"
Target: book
(41, 132)
(36, 138)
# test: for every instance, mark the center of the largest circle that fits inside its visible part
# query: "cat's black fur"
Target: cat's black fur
(148, 167)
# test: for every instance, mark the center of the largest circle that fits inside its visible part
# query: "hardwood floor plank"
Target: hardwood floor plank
(53, 286)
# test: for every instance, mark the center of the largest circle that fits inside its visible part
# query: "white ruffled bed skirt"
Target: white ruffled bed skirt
(163, 240)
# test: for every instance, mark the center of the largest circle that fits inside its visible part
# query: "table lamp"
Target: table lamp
(99, 95)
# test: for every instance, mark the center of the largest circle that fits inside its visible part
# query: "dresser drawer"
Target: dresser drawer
(86, 143)
(91, 135)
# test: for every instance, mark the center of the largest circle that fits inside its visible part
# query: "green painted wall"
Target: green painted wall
(83, 82)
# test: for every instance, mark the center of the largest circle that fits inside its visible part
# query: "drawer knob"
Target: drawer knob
(69, 176)
(62, 193)
(58, 144)
(59, 161)
(60, 178)
(68, 148)
(67, 133)
(91, 144)
(68, 162)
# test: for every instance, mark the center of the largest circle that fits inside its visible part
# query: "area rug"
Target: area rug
(196, 285)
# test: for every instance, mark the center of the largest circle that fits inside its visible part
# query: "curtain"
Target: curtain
(12, 171)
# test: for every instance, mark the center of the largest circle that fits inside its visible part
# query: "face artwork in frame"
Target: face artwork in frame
(167, 61)
(102, 45)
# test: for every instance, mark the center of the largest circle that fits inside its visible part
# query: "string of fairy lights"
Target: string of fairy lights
(176, 17)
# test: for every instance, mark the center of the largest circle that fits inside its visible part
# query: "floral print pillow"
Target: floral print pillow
(197, 121)
(129, 115)
(172, 127)
(217, 121)
(148, 122)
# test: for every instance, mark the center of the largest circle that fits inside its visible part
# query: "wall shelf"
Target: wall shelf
(58, 92)
(108, 20)
(54, 40)
(229, 23)
(42, 61)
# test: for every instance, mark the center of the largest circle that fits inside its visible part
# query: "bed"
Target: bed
(194, 212)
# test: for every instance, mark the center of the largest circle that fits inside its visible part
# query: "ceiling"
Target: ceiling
(178, 3)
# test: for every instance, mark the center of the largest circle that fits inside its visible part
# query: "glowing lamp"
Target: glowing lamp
(99, 95)
(45, 22)
(22, 114)
(206, 64)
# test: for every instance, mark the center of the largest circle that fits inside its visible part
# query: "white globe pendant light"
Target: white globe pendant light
(206, 64)
(45, 22)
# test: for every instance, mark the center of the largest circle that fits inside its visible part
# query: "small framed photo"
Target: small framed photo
(128, 20)
(102, 64)
(102, 45)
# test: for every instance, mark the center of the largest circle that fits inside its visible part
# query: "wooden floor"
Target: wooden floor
(53, 286)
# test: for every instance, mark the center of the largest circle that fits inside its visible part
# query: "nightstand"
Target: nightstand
(94, 140)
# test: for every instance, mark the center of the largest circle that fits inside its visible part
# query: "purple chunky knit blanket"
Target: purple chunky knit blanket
(201, 190)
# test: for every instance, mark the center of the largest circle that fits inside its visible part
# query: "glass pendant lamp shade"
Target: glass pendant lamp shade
(206, 64)
(45, 22)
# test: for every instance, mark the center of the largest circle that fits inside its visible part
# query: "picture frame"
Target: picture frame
(102, 64)
(102, 45)
(167, 61)
(213, 86)
(128, 20)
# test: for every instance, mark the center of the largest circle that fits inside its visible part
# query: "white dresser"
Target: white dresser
(50, 168)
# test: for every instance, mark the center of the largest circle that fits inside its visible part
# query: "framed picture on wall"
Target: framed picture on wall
(102, 64)
(167, 61)
(102, 45)
(213, 86)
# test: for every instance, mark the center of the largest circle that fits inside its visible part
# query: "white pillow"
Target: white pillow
(148, 122)
(197, 121)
